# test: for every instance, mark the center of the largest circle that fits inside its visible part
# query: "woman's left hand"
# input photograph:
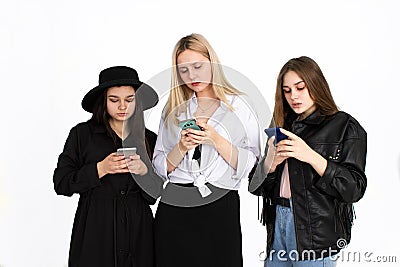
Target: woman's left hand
(295, 147)
(208, 135)
(136, 165)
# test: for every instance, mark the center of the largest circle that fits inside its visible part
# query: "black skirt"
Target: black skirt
(202, 236)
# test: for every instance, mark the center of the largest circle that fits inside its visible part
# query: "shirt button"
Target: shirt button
(295, 172)
(122, 192)
(323, 185)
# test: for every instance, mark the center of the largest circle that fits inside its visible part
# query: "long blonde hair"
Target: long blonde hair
(179, 93)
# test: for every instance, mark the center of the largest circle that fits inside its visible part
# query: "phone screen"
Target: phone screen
(126, 151)
(279, 136)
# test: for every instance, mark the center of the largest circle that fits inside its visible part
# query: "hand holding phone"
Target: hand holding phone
(279, 136)
(126, 151)
(191, 123)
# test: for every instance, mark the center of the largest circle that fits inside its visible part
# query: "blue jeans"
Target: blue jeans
(284, 248)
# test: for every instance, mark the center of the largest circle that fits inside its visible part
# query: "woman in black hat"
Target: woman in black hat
(113, 223)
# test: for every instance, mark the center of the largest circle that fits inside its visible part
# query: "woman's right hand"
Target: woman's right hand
(179, 151)
(112, 164)
(272, 159)
(185, 143)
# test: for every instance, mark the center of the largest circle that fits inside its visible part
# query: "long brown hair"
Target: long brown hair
(309, 71)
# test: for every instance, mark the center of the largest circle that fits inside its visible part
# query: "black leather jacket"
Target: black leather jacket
(322, 206)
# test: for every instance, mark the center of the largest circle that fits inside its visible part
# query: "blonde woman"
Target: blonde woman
(198, 219)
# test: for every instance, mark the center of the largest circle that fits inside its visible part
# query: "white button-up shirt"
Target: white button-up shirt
(240, 127)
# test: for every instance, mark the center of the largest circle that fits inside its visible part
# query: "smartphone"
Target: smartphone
(126, 151)
(191, 123)
(279, 136)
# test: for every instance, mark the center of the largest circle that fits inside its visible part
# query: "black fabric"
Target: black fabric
(150, 140)
(203, 236)
(322, 206)
(197, 154)
(281, 201)
(113, 223)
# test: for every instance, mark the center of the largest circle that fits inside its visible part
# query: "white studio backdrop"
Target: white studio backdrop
(51, 53)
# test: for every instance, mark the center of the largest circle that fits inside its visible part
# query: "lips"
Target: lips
(296, 105)
(196, 84)
(121, 114)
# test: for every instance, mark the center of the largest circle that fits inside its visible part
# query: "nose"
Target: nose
(294, 94)
(192, 74)
(122, 105)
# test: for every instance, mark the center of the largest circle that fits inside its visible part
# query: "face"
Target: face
(120, 102)
(297, 94)
(195, 70)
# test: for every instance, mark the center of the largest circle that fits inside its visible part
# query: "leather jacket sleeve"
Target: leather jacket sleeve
(260, 183)
(344, 177)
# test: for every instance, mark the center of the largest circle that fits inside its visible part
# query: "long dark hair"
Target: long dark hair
(309, 71)
(101, 116)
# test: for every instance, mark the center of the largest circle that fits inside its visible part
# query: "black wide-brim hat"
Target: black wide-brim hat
(119, 76)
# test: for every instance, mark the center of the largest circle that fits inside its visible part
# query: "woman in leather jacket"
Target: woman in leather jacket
(309, 180)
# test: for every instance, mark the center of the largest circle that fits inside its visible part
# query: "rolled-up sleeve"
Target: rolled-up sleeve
(249, 145)
(162, 148)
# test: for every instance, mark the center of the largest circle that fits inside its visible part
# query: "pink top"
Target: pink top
(285, 183)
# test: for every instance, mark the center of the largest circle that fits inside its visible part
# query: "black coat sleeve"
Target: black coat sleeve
(345, 178)
(71, 175)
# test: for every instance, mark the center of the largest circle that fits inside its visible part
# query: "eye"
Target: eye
(114, 100)
(130, 99)
(286, 90)
(301, 86)
(198, 66)
(183, 70)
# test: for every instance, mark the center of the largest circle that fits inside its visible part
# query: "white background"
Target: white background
(51, 54)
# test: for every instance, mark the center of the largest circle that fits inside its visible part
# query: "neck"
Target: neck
(117, 126)
(307, 113)
(208, 93)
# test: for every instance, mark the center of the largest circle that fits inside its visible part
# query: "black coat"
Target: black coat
(322, 206)
(113, 223)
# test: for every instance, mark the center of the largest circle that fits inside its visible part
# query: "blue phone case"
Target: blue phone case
(191, 123)
(279, 136)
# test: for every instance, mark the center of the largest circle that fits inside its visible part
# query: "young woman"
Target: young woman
(113, 221)
(310, 180)
(198, 220)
